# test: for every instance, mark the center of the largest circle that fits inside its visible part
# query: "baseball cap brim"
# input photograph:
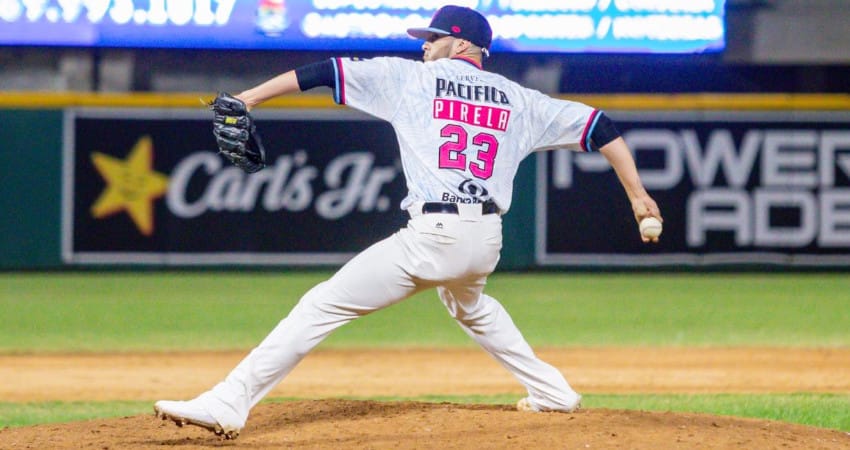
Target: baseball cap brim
(425, 33)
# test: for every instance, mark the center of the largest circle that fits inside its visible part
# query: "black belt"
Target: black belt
(488, 207)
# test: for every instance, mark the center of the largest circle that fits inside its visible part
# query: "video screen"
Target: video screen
(524, 26)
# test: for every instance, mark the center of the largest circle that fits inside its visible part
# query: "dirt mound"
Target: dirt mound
(331, 424)
(342, 424)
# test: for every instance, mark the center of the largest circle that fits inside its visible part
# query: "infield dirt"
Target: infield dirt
(332, 422)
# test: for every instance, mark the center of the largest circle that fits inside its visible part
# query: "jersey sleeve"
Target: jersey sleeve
(565, 124)
(371, 85)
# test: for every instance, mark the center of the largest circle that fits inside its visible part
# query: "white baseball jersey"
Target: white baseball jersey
(462, 131)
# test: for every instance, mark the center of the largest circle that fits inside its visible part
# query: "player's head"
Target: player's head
(459, 23)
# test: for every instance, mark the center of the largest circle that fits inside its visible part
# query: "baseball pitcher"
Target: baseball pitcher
(462, 133)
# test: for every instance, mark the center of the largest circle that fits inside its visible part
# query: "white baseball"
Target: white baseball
(650, 227)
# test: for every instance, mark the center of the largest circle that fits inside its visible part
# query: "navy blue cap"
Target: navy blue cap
(460, 22)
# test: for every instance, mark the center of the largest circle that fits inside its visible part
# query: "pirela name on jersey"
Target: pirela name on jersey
(492, 117)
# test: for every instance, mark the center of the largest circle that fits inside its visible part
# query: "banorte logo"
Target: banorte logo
(350, 182)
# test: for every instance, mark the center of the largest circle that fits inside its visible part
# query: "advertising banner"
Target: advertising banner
(577, 26)
(148, 187)
(734, 188)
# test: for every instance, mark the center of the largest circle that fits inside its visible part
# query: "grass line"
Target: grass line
(819, 410)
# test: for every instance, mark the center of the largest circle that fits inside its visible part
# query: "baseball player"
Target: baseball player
(462, 132)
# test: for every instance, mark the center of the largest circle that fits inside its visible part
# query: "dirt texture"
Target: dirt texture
(330, 422)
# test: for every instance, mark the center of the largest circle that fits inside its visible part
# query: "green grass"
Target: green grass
(801, 310)
(34, 413)
(116, 311)
(821, 410)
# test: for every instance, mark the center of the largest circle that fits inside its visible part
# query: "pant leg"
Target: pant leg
(374, 279)
(487, 322)
(430, 251)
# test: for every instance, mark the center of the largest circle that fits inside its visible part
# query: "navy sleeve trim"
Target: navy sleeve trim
(321, 73)
(601, 132)
(339, 81)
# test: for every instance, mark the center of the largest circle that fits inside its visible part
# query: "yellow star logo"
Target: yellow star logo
(131, 185)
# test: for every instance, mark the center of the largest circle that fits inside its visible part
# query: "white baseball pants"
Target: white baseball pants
(452, 252)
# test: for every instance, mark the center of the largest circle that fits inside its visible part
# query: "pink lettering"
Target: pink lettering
(438, 108)
(478, 115)
(503, 119)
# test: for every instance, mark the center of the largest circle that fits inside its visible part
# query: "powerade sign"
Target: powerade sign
(734, 187)
(148, 187)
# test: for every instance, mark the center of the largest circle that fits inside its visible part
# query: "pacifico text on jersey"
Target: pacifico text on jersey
(479, 115)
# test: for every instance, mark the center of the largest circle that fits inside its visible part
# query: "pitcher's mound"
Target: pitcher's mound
(346, 424)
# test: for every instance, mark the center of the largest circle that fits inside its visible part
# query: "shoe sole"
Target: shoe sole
(182, 421)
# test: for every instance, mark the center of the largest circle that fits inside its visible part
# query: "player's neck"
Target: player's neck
(470, 59)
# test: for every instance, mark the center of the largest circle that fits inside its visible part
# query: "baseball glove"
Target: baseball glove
(235, 133)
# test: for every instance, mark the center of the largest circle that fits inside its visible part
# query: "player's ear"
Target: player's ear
(462, 45)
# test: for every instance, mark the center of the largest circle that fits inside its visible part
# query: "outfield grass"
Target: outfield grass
(203, 311)
(151, 311)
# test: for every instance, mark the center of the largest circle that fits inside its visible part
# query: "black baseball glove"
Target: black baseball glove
(236, 134)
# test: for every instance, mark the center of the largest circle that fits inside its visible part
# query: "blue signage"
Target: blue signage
(585, 26)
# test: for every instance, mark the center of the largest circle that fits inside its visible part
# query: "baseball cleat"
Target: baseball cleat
(189, 413)
(525, 405)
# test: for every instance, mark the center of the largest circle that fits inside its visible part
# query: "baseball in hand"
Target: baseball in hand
(650, 227)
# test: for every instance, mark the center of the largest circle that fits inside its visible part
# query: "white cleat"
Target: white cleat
(525, 405)
(191, 413)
